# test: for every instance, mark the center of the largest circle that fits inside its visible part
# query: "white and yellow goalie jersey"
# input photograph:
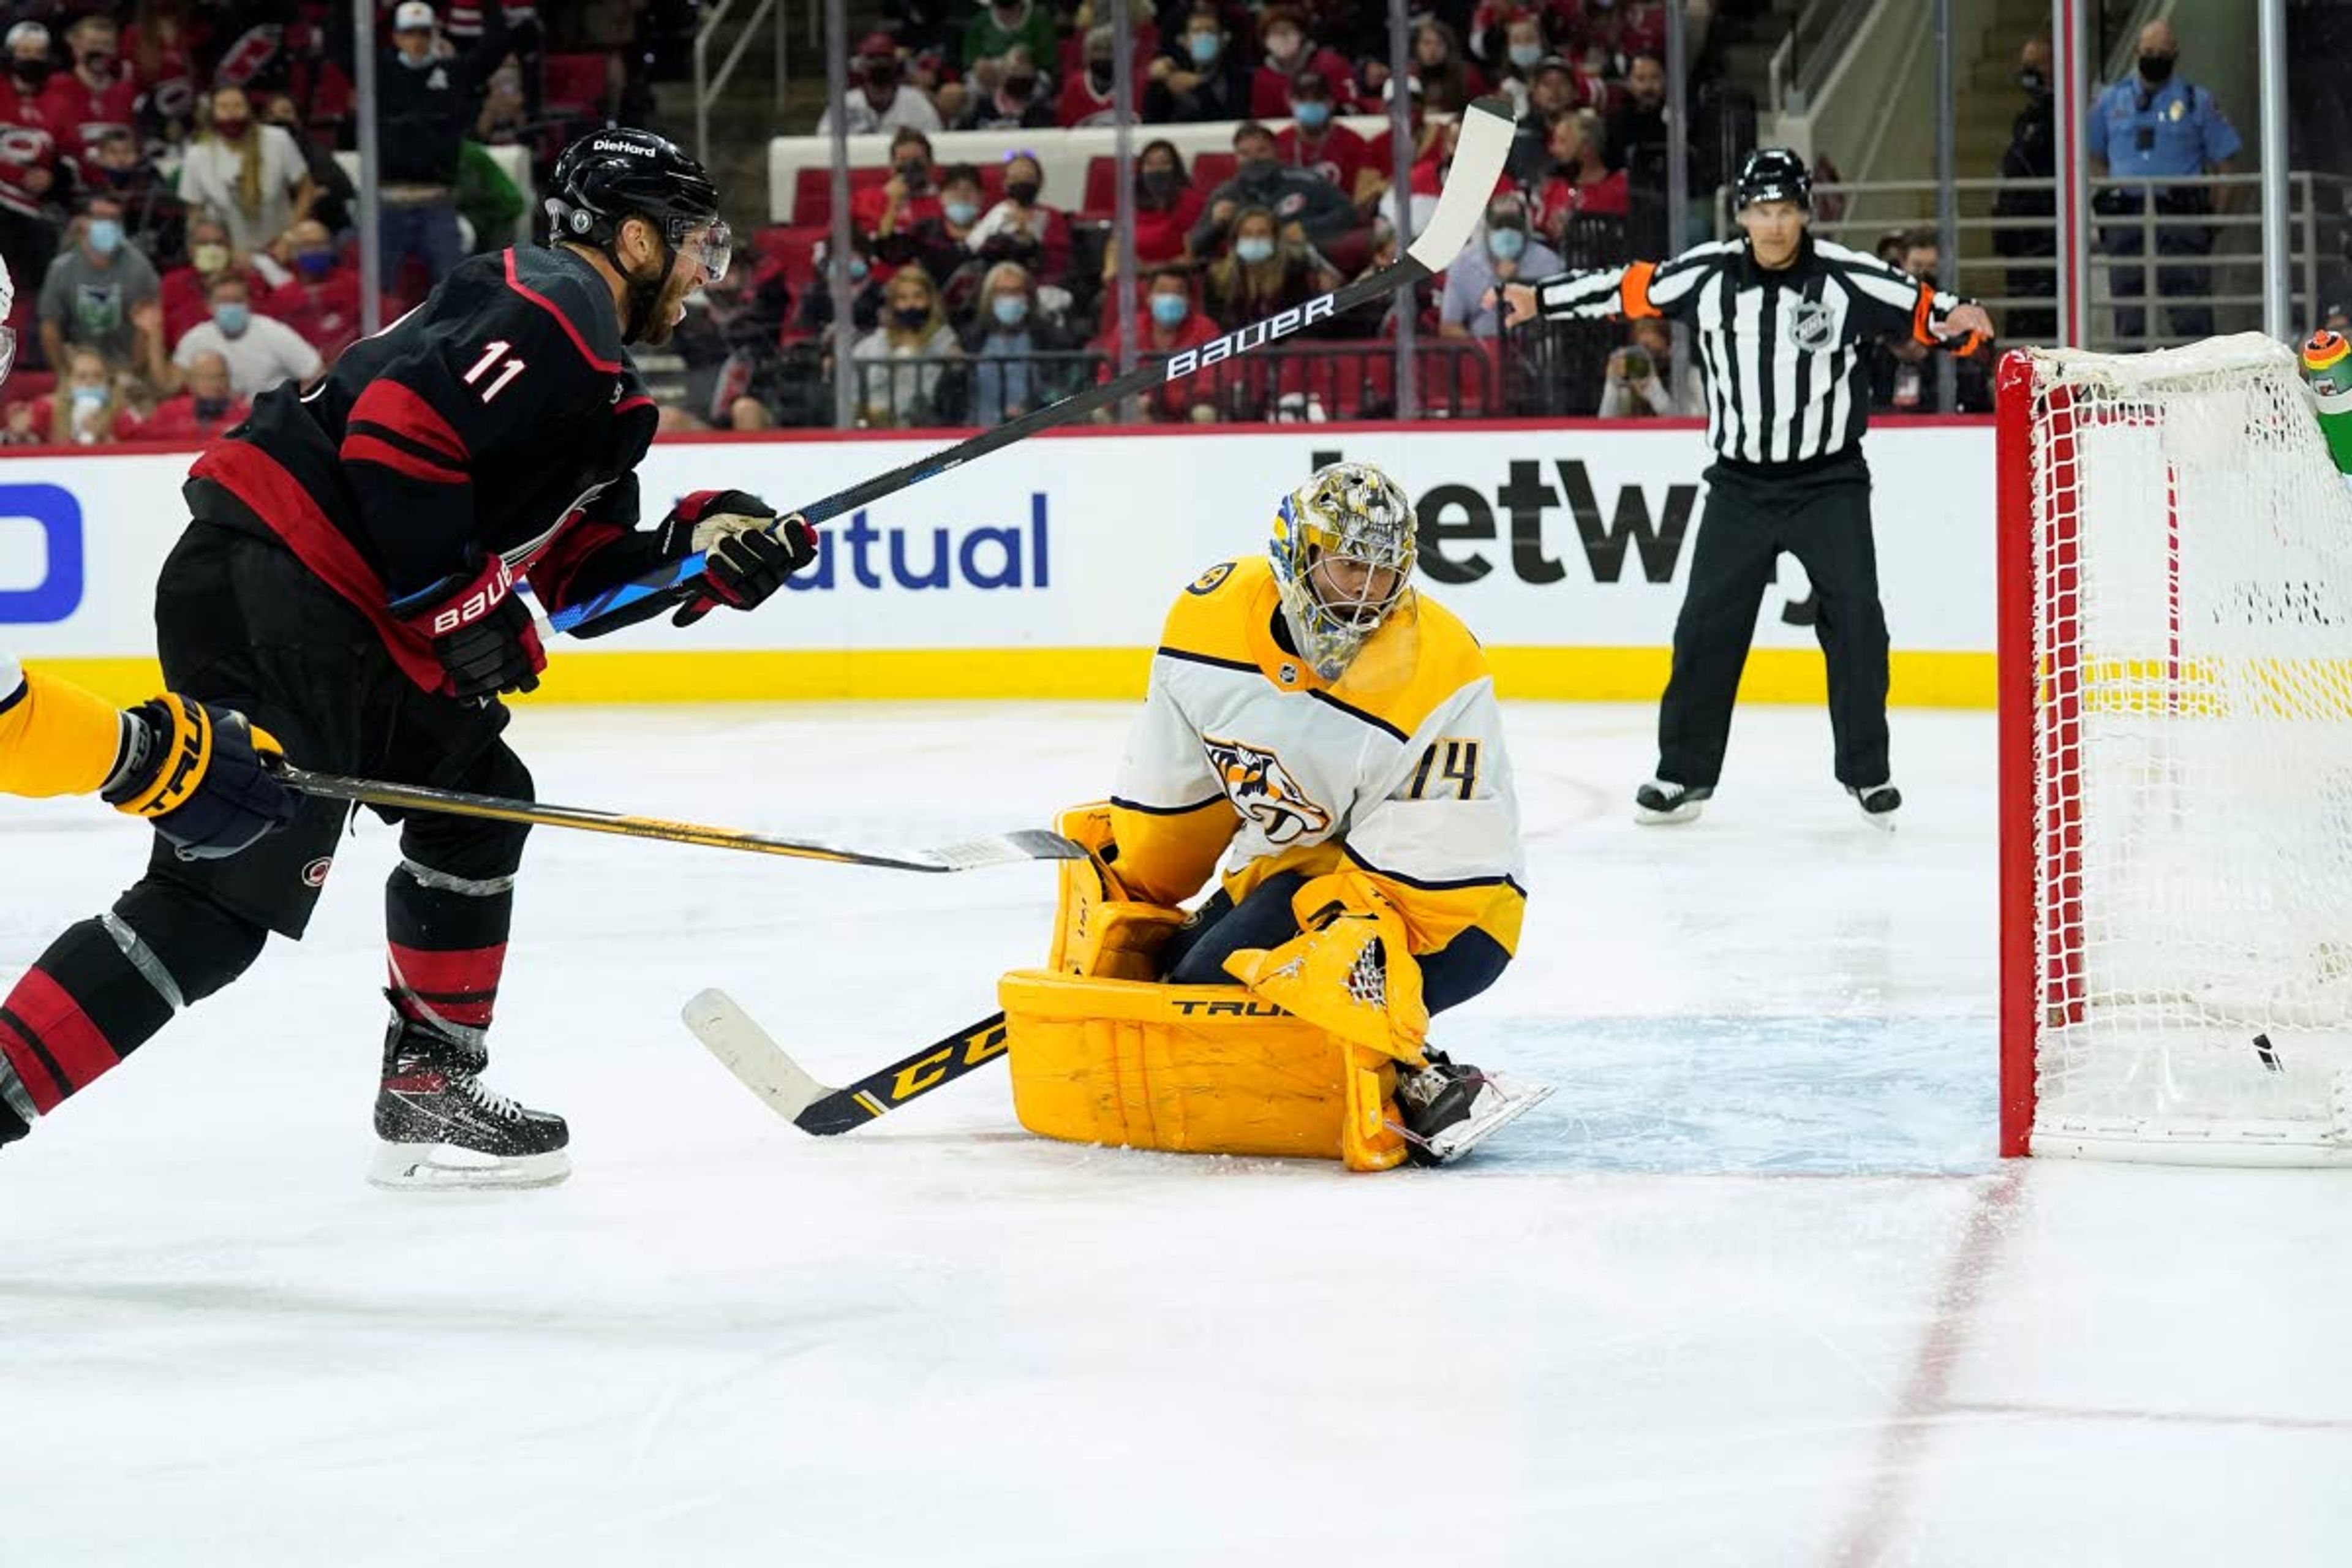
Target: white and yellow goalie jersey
(1396, 769)
(54, 738)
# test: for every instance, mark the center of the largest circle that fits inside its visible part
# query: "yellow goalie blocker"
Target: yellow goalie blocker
(1298, 1057)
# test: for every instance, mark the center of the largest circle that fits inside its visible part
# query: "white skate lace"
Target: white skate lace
(488, 1098)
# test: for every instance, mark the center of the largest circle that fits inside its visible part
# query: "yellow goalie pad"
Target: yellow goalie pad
(1098, 929)
(1200, 1070)
(1350, 970)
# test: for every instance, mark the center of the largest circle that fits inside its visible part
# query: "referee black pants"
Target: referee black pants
(1823, 518)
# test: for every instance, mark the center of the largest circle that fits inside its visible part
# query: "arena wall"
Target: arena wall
(1044, 571)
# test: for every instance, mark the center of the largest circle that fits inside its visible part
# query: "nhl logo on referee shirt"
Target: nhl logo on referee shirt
(1812, 326)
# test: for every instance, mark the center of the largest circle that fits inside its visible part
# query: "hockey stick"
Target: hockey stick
(1000, 849)
(764, 1068)
(1478, 157)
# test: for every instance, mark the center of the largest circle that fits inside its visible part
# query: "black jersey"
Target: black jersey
(499, 417)
(1786, 380)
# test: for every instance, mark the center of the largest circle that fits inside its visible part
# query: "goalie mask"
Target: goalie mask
(1343, 553)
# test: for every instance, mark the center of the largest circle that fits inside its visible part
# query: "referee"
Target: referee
(1780, 318)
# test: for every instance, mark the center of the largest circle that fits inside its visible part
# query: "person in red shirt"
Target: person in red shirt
(97, 94)
(1168, 323)
(1580, 181)
(321, 300)
(197, 416)
(162, 46)
(1290, 59)
(28, 156)
(1166, 204)
(1090, 97)
(187, 291)
(1322, 148)
(906, 199)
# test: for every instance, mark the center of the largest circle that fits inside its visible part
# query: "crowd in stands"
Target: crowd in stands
(181, 233)
(979, 292)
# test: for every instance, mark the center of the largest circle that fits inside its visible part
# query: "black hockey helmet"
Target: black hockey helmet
(1775, 174)
(608, 176)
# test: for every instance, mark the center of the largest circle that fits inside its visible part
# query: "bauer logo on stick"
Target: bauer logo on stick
(1257, 335)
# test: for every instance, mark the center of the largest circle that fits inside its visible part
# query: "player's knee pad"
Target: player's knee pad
(1194, 1069)
(182, 941)
(472, 848)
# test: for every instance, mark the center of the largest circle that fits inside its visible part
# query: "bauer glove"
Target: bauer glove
(201, 775)
(748, 551)
(483, 636)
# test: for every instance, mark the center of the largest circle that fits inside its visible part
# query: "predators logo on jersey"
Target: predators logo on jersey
(1262, 789)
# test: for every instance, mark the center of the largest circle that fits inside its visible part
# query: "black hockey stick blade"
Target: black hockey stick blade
(1000, 849)
(1479, 153)
(765, 1069)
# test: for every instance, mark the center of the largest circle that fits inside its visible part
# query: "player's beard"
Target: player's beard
(678, 282)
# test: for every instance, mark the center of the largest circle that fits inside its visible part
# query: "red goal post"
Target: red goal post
(2175, 561)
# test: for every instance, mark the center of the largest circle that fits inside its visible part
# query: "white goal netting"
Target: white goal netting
(2191, 815)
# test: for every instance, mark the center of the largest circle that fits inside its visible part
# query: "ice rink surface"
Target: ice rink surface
(1750, 1290)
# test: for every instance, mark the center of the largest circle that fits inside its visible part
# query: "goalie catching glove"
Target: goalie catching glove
(201, 775)
(748, 550)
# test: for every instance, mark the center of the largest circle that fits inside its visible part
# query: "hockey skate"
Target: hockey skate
(1448, 1109)
(1879, 804)
(438, 1127)
(1658, 803)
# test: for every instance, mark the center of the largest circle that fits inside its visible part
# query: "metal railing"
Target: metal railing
(2144, 254)
(1809, 51)
(708, 85)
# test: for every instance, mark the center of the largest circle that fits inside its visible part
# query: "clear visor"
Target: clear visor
(710, 246)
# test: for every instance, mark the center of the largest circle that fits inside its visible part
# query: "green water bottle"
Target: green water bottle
(2327, 366)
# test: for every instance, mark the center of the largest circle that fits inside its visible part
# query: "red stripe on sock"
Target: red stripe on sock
(78, 1046)
(459, 984)
(29, 1071)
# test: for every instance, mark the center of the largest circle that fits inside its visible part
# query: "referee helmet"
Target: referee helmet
(1775, 174)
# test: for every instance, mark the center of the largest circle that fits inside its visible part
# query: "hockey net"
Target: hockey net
(2176, 657)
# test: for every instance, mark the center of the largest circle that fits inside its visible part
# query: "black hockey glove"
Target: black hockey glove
(748, 550)
(201, 775)
(483, 636)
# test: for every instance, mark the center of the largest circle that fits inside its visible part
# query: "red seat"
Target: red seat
(812, 192)
(1210, 170)
(1102, 185)
(574, 82)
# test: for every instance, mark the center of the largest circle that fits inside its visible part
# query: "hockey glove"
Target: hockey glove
(748, 550)
(201, 775)
(483, 635)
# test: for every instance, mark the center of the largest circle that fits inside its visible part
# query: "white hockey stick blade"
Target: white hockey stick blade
(749, 1053)
(1479, 154)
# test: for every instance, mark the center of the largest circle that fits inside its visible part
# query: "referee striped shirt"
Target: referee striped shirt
(1782, 349)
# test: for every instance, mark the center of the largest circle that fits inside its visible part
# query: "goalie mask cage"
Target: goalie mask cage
(2176, 760)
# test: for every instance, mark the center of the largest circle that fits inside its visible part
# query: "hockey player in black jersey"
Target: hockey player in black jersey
(347, 582)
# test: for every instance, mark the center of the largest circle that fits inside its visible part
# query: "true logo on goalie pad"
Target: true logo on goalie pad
(1262, 789)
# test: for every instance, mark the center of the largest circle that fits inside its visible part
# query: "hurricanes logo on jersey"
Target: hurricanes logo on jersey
(1262, 789)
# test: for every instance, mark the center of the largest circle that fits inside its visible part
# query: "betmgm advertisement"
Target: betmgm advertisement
(1046, 569)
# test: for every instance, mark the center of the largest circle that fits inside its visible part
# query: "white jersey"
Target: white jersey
(1398, 768)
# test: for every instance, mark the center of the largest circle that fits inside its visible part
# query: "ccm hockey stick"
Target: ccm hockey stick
(765, 1069)
(1478, 158)
(1001, 849)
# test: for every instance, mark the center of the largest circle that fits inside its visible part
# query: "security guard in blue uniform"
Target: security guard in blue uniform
(2153, 125)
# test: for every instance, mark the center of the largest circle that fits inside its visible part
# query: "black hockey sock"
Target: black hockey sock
(446, 946)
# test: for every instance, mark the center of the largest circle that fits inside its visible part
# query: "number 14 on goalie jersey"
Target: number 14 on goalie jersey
(1397, 769)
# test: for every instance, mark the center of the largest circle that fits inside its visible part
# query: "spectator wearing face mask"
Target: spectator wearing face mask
(1580, 180)
(1009, 95)
(1091, 95)
(249, 175)
(1167, 207)
(999, 28)
(1022, 228)
(1329, 150)
(943, 244)
(879, 98)
(1322, 211)
(208, 407)
(1502, 253)
(2152, 124)
(912, 328)
(187, 289)
(1524, 51)
(1290, 59)
(29, 169)
(261, 351)
(1197, 78)
(1168, 324)
(92, 291)
(904, 201)
(2031, 156)
(87, 409)
(815, 312)
(1008, 331)
(95, 91)
(1260, 275)
(321, 300)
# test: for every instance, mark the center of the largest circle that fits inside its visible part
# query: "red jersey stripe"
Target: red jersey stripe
(401, 410)
(516, 283)
(360, 447)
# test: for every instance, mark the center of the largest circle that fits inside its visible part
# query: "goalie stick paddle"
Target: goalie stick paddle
(1001, 849)
(765, 1069)
(1478, 158)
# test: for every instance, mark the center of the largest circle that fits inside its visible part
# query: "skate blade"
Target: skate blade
(445, 1167)
(1882, 820)
(1686, 812)
(1455, 1141)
